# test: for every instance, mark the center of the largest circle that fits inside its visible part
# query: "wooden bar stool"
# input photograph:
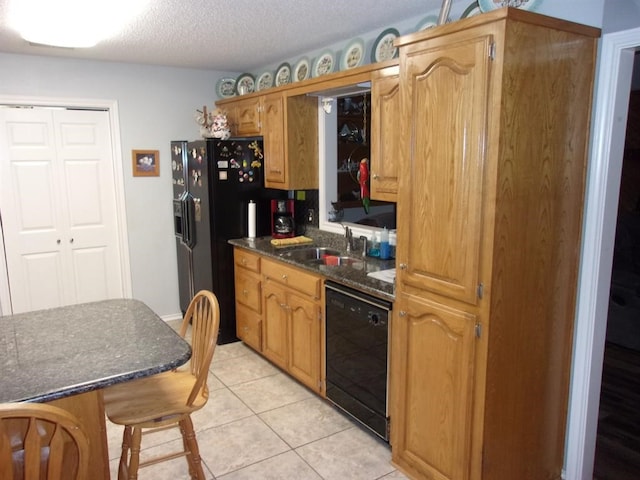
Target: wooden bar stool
(167, 400)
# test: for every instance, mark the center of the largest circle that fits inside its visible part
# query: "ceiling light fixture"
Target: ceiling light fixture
(72, 23)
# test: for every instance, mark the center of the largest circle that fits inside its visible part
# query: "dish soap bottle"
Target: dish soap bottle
(385, 250)
(392, 243)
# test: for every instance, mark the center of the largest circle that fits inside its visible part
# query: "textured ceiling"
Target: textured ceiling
(231, 35)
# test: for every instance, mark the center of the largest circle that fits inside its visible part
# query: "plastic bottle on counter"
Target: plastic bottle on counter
(374, 251)
(392, 243)
(385, 251)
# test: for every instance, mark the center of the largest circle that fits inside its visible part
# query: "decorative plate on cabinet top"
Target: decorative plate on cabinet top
(383, 48)
(226, 87)
(323, 64)
(302, 70)
(428, 22)
(264, 81)
(352, 55)
(488, 5)
(283, 75)
(245, 83)
(471, 10)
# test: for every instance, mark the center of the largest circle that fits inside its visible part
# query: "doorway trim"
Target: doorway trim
(603, 188)
(111, 106)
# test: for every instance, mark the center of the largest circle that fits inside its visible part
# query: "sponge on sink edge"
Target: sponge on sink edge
(287, 242)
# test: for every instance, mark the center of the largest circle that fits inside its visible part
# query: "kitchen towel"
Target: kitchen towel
(287, 242)
(384, 275)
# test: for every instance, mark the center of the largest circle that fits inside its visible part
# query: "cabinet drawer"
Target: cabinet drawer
(248, 289)
(245, 259)
(293, 278)
(249, 327)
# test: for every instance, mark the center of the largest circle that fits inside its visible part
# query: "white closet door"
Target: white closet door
(58, 207)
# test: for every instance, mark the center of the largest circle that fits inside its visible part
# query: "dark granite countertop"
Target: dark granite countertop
(54, 353)
(346, 275)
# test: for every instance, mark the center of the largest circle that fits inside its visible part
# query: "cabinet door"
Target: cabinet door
(274, 150)
(246, 117)
(444, 115)
(249, 327)
(304, 341)
(432, 386)
(385, 121)
(275, 337)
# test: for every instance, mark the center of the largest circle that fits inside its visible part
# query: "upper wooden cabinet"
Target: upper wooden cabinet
(445, 189)
(245, 117)
(289, 127)
(385, 120)
(493, 139)
(274, 138)
(290, 134)
(287, 119)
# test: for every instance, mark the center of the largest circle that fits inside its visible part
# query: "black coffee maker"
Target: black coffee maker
(282, 219)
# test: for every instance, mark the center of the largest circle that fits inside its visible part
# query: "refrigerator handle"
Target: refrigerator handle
(188, 231)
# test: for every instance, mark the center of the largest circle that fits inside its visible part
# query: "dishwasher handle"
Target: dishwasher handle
(358, 295)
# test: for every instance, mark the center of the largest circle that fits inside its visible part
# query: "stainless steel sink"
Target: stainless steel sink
(339, 261)
(309, 254)
(328, 258)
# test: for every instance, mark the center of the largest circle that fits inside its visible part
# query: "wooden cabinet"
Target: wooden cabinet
(245, 116)
(274, 139)
(291, 141)
(385, 119)
(289, 127)
(293, 313)
(434, 347)
(248, 288)
(493, 134)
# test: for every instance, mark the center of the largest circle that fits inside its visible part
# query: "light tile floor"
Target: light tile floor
(261, 424)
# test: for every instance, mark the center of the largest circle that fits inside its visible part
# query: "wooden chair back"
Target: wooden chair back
(40, 441)
(203, 314)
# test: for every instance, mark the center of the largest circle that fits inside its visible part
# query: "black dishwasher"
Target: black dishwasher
(357, 337)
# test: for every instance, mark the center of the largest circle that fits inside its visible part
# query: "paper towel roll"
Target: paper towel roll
(251, 219)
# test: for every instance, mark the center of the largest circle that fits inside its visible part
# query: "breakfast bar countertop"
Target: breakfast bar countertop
(352, 277)
(50, 354)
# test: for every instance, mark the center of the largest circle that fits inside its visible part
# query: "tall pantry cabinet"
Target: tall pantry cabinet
(495, 119)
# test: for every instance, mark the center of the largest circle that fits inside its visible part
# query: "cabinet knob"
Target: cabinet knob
(245, 292)
(375, 176)
(402, 313)
(403, 266)
(58, 241)
(284, 277)
(244, 261)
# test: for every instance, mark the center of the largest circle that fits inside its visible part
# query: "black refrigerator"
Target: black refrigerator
(213, 183)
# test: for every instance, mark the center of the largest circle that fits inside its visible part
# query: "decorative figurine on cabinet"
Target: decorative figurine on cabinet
(213, 124)
(219, 125)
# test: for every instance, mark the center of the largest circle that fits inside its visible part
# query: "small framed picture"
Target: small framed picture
(145, 163)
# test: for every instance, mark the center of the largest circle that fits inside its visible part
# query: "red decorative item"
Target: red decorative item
(363, 178)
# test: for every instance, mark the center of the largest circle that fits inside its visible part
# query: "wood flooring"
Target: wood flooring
(618, 439)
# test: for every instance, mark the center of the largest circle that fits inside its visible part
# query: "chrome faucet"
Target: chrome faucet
(348, 235)
(364, 241)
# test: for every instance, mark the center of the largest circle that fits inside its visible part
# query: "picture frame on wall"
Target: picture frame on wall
(145, 163)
